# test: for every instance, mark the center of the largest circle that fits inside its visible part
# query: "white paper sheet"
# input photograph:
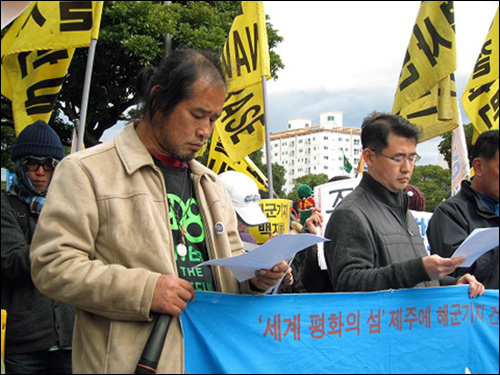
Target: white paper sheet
(477, 244)
(266, 256)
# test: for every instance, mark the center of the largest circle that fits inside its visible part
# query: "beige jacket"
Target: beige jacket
(104, 238)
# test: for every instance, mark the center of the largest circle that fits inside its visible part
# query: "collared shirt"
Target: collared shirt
(490, 203)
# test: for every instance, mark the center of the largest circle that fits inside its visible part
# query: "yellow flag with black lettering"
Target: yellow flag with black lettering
(481, 97)
(220, 162)
(426, 93)
(246, 60)
(37, 51)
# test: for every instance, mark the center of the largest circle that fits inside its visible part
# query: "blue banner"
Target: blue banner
(437, 331)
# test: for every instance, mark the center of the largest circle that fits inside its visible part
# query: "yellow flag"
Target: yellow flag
(246, 53)
(246, 60)
(426, 93)
(54, 25)
(35, 79)
(37, 51)
(220, 162)
(481, 97)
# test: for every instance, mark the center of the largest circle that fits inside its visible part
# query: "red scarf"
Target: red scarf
(170, 161)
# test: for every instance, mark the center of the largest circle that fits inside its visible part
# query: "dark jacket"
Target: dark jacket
(375, 242)
(34, 322)
(451, 224)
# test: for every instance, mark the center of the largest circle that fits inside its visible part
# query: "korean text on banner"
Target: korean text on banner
(277, 212)
(246, 61)
(426, 93)
(481, 97)
(421, 331)
(37, 51)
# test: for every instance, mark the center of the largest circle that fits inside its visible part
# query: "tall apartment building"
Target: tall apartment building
(308, 149)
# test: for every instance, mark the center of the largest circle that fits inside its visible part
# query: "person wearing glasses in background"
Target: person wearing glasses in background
(39, 329)
(375, 241)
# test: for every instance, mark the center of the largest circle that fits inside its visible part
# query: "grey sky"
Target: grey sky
(347, 55)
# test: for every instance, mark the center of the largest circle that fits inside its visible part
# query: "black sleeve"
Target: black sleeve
(314, 279)
(446, 232)
(15, 248)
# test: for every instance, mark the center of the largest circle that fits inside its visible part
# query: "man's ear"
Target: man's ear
(369, 156)
(477, 164)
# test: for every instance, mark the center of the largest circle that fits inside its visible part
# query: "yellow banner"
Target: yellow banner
(481, 97)
(220, 162)
(54, 25)
(37, 51)
(277, 212)
(246, 53)
(246, 61)
(242, 124)
(426, 93)
(34, 80)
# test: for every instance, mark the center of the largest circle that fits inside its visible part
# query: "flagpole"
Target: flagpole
(86, 94)
(268, 139)
(460, 161)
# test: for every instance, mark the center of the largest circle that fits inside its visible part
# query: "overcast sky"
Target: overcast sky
(347, 56)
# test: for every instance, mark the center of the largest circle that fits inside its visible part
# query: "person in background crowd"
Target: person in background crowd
(375, 240)
(39, 329)
(126, 221)
(476, 206)
(245, 196)
(417, 198)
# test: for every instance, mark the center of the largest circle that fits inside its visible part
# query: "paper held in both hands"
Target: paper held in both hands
(266, 256)
(477, 244)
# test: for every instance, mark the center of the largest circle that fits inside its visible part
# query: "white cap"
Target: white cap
(245, 196)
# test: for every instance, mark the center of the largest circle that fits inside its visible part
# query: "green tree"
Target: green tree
(8, 134)
(434, 182)
(445, 146)
(312, 180)
(132, 36)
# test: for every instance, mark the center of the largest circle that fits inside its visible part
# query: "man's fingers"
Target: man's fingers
(455, 262)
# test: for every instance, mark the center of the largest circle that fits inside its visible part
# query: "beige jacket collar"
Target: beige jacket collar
(135, 156)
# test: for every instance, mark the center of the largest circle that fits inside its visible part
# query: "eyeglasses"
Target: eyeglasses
(412, 159)
(32, 165)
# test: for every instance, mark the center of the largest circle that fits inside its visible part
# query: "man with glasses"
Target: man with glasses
(39, 329)
(375, 241)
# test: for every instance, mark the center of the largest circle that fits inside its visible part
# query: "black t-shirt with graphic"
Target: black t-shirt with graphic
(185, 211)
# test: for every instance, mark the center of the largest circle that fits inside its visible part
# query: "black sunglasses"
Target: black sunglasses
(32, 165)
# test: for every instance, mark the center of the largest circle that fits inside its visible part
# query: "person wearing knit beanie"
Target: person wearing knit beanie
(417, 198)
(40, 140)
(306, 202)
(39, 342)
(35, 154)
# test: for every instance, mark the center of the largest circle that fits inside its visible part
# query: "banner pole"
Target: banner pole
(268, 140)
(86, 93)
(460, 168)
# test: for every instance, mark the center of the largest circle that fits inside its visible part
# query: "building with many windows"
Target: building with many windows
(314, 149)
